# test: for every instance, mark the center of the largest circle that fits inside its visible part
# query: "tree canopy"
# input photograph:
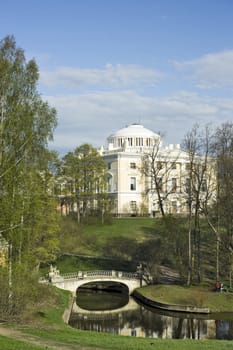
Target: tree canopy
(27, 216)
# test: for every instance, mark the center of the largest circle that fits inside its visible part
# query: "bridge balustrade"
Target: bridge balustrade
(100, 273)
(70, 275)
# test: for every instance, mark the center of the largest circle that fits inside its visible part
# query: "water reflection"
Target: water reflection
(118, 314)
(100, 300)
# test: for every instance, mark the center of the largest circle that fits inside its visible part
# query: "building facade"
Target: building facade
(144, 176)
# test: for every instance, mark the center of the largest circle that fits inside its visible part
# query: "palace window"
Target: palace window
(173, 165)
(133, 333)
(204, 185)
(160, 184)
(133, 165)
(130, 141)
(133, 206)
(120, 142)
(174, 207)
(133, 183)
(139, 141)
(188, 185)
(153, 187)
(174, 184)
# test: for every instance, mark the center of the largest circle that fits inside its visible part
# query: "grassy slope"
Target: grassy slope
(11, 344)
(125, 233)
(94, 239)
(132, 229)
(194, 296)
(115, 342)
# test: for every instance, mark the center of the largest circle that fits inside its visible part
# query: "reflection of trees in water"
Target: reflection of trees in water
(100, 300)
(189, 328)
(224, 329)
(153, 324)
(97, 323)
(148, 322)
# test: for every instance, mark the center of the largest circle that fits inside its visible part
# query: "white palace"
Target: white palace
(130, 187)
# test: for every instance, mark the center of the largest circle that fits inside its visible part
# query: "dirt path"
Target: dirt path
(47, 344)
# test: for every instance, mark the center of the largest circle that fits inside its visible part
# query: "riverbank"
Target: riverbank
(49, 331)
(185, 299)
(170, 307)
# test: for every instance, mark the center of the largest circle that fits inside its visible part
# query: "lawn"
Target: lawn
(100, 245)
(11, 344)
(137, 229)
(193, 296)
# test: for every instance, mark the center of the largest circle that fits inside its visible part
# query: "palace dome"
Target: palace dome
(133, 136)
(136, 130)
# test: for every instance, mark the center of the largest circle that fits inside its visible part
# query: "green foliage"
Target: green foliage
(155, 242)
(28, 220)
(85, 176)
(21, 292)
(26, 124)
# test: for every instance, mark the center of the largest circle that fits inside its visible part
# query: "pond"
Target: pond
(117, 313)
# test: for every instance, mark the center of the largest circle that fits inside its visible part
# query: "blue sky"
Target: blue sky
(107, 63)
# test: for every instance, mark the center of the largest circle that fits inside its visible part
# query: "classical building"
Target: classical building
(144, 176)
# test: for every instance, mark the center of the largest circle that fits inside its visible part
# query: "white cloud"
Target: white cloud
(104, 100)
(213, 70)
(93, 117)
(110, 76)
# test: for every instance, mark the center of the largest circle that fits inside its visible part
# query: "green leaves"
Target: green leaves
(26, 124)
(84, 179)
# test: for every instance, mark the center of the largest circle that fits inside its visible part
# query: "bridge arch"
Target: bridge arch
(105, 284)
(72, 281)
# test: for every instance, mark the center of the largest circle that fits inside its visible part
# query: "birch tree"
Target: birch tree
(26, 126)
(157, 167)
(202, 193)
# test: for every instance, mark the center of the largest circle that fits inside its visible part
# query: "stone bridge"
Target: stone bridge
(72, 281)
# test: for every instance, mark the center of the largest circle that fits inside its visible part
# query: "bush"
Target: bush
(20, 292)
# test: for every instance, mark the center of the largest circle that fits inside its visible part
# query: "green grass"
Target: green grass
(68, 263)
(126, 227)
(115, 342)
(100, 241)
(194, 296)
(11, 344)
(134, 229)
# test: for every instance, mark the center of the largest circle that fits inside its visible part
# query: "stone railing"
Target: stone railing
(54, 275)
(100, 274)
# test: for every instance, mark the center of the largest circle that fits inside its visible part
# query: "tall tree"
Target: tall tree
(200, 189)
(157, 167)
(26, 126)
(85, 180)
(223, 147)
